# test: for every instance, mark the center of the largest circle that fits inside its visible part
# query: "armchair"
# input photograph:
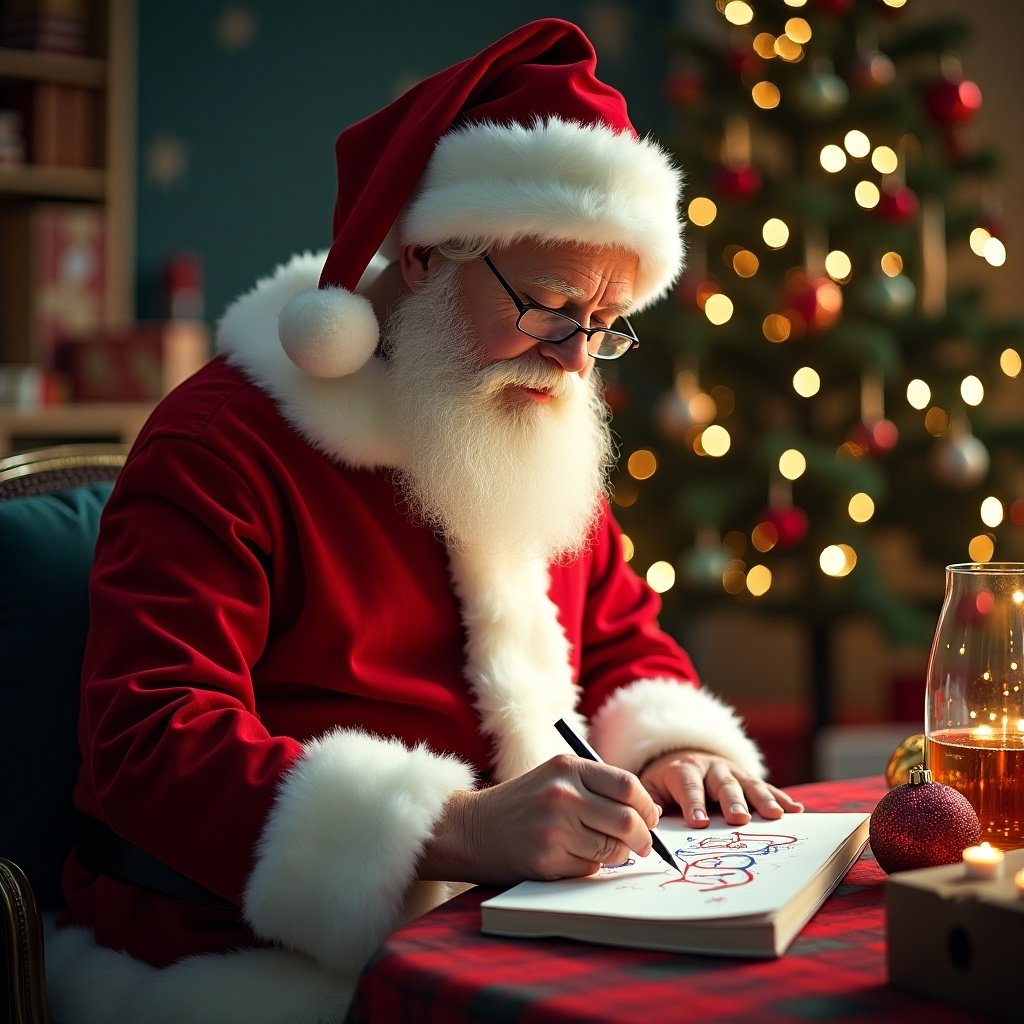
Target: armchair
(50, 505)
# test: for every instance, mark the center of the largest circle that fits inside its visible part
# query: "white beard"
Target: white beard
(485, 474)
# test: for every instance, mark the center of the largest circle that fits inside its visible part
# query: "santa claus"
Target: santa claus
(357, 567)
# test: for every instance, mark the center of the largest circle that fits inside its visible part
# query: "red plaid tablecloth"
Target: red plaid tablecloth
(440, 968)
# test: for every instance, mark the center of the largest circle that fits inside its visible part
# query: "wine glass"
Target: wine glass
(974, 705)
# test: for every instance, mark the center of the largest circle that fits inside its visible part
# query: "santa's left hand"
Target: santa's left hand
(689, 778)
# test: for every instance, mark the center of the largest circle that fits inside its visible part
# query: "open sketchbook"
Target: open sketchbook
(744, 891)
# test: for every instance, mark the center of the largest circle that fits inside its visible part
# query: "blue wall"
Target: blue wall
(239, 106)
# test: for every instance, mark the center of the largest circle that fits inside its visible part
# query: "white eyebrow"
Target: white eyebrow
(560, 286)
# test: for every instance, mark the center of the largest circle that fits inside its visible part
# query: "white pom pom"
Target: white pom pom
(328, 332)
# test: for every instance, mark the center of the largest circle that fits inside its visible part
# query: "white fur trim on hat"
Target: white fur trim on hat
(652, 717)
(493, 184)
(339, 849)
(328, 332)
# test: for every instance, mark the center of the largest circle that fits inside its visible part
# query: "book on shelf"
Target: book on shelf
(744, 891)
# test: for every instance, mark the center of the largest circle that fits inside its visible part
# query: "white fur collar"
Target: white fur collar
(345, 417)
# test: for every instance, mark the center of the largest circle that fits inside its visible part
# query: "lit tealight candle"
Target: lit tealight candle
(983, 861)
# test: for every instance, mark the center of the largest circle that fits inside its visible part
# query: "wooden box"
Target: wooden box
(958, 939)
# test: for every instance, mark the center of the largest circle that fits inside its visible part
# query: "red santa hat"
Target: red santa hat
(520, 141)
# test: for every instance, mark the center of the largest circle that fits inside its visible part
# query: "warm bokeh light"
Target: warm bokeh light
(724, 399)
(661, 577)
(628, 550)
(972, 391)
(832, 158)
(775, 232)
(861, 507)
(979, 236)
(745, 263)
(838, 265)
(764, 45)
(792, 464)
(738, 13)
(992, 511)
(766, 95)
(788, 50)
(837, 560)
(776, 327)
(936, 421)
(994, 252)
(733, 579)
(799, 30)
(701, 211)
(918, 394)
(857, 144)
(715, 440)
(867, 195)
(759, 580)
(884, 160)
(981, 548)
(1010, 362)
(718, 309)
(891, 264)
(764, 536)
(806, 382)
(642, 464)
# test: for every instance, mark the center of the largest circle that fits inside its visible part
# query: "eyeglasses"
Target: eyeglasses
(548, 325)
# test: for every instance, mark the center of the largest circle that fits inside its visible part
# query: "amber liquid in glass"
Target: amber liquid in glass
(989, 772)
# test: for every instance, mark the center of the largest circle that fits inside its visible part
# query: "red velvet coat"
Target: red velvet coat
(285, 678)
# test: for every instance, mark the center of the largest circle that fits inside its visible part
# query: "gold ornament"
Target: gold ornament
(909, 754)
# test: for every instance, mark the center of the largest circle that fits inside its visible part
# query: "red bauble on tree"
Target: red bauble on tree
(952, 100)
(738, 182)
(813, 303)
(789, 522)
(921, 824)
(877, 438)
(897, 206)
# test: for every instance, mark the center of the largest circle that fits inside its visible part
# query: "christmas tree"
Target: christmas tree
(819, 385)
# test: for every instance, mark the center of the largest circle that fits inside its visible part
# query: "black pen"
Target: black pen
(582, 748)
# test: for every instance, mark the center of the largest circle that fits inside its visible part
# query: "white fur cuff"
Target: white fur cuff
(652, 717)
(339, 849)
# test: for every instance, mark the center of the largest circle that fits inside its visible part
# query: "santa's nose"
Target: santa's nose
(571, 355)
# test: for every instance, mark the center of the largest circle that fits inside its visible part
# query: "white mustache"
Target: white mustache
(533, 372)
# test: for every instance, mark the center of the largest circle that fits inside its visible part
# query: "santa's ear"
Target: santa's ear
(416, 262)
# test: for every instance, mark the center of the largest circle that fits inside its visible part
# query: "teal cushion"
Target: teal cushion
(46, 550)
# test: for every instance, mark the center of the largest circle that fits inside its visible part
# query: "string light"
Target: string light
(776, 328)
(764, 536)
(625, 494)
(1010, 362)
(798, 30)
(701, 211)
(628, 550)
(661, 577)
(867, 195)
(738, 13)
(891, 264)
(718, 309)
(972, 391)
(861, 507)
(764, 45)
(838, 265)
(857, 144)
(806, 382)
(734, 577)
(978, 238)
(745, 263)
(832, 158)
(981, 548)
(918, 394)
(766, 94)
(715, 440)
(994, 252)
(936, 421)
(759, 580)
(775, 233)
(884, 159)
(788, 50)
(792, 464)
(992, 511)
(837, 560)
(642, 464)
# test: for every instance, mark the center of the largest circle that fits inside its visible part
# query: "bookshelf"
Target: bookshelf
(98, 176)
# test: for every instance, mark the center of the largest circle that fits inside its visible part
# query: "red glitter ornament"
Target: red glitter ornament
(738, 182)
(897, 206)
(790, 523)
(952, 100)
(922, 824)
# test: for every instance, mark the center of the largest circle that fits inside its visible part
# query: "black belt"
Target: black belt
(102, 850)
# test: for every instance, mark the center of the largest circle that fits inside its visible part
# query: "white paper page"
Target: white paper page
(728, 871)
